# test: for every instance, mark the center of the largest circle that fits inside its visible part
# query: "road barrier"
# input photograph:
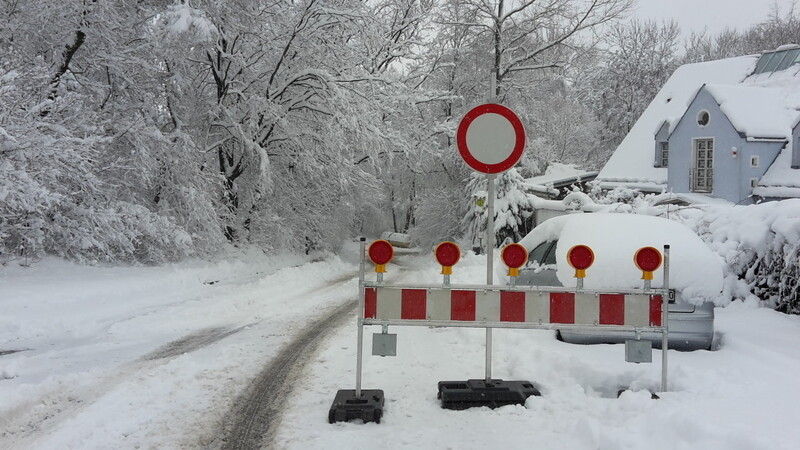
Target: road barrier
(499, 306)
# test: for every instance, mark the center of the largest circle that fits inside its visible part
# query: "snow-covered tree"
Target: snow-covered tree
(642, 56)
(513, 209)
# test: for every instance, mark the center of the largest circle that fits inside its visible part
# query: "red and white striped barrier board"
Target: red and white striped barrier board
(637, 310)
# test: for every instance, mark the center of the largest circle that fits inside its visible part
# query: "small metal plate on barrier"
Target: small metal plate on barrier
(346, 406)
(638, 351)
(384, 344)
(460, 395)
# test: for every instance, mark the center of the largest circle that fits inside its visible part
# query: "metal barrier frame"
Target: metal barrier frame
(664, 292)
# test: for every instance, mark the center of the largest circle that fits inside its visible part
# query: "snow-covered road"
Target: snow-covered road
(147, 357)
(159, 358)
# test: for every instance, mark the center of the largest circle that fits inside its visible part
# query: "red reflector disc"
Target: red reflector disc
(380, 252)
(647, 259)
(514, 256)
(580, 257)
(447, 254)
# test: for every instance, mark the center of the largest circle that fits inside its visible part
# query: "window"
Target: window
(788, 59)
(702, 174)
(664, 154)
(540, 254)
(754, 161)
(796, 154)
(773, 63)
(702, 118)
(762, 62)
(753, 183)
(777, 60)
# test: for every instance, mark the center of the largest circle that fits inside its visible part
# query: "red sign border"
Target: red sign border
(461, 138)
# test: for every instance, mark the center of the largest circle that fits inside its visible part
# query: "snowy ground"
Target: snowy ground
(154, 357)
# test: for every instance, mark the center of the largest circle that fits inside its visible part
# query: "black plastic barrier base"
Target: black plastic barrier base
(460, 395)
(346, 406)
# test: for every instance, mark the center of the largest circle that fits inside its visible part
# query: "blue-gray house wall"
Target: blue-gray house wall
(732, 169)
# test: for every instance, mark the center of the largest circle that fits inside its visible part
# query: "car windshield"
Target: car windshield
(543, 255)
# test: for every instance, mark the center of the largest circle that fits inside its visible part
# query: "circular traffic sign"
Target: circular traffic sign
(380, 252)
(490, 138)
(447, 254)
(580, 257)
(647, 259)
(514, 255)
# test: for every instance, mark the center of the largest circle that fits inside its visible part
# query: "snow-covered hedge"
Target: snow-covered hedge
(760, 245)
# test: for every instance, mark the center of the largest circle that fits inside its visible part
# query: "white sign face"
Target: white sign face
(491, 138)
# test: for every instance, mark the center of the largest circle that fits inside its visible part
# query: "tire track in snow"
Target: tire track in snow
(191, 342)
(255, 421)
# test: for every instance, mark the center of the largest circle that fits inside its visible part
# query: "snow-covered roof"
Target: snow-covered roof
(632, 162)
(780, 180)
(756, 111)
(555, 175)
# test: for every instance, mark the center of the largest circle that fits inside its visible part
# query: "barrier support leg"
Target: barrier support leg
(364, 404)
(665, 322)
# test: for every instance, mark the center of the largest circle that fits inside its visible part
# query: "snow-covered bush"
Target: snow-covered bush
(513, 209)
(760, 245)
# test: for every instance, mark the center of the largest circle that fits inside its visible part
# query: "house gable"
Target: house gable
(662, 145)
(632, 164)
(709, 155)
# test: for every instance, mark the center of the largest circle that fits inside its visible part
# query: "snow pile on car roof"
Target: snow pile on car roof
(614, 238)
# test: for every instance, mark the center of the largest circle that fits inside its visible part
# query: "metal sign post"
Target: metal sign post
(490, 139)
(490, 177)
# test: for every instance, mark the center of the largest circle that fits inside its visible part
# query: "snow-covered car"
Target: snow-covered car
(695, 271)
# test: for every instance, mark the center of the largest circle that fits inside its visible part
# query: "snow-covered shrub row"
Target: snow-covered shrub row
(760, 245)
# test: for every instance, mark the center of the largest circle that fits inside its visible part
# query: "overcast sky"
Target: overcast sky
(715, 15)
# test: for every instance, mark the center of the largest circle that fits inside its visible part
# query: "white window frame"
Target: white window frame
(694, 185)
(754, 161)
(753, 183)
(665, 151)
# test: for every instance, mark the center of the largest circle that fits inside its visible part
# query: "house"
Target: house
(724, 129)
